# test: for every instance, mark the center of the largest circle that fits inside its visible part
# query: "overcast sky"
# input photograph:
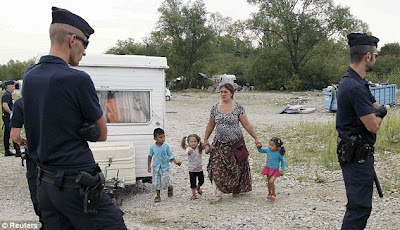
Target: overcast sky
(24, 23)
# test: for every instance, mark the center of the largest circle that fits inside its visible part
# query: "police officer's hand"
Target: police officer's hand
(381, 111)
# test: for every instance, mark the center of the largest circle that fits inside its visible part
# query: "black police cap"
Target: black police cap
(9, 83)
(66, 17)
(358, 39)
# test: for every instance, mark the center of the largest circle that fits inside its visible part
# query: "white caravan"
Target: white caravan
(131, 92)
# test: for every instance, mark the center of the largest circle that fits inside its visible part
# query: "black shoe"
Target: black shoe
(18, 153)
(7, 153)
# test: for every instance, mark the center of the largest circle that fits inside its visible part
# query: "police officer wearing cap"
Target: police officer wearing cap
(57, 100)
(358, 119)
(7, 107)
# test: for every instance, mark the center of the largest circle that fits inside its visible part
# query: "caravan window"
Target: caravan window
(125, 106)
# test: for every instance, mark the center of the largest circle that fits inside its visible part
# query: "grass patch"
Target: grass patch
(313, 146)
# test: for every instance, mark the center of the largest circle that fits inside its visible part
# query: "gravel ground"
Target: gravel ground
(301, 204)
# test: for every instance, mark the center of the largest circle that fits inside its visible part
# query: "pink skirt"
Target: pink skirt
(270, 172)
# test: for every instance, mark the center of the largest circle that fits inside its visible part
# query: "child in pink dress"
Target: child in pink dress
(275, 158)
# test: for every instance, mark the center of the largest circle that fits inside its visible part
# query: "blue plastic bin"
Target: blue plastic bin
(384, 95)
(330, 100)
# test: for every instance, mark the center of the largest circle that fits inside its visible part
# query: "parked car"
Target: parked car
(167, 94)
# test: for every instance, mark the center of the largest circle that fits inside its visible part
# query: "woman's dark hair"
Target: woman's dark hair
(183, 142)
(279, 143)
(357, 53)
(229, 87)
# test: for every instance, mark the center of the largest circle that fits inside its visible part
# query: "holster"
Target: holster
(93, 187)
(346, 148)
(350, 148)
(363, 151)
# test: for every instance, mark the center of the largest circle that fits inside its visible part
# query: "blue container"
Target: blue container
(384, 95)
(330, 100)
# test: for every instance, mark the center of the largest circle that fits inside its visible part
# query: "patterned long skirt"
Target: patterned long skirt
(225, 171)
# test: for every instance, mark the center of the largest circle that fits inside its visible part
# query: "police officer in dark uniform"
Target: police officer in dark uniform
(358, 119)
(57, 101)
(16, 123)
(7, 107)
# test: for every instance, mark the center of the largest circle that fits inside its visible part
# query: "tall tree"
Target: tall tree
(300, 26)
(184, 26)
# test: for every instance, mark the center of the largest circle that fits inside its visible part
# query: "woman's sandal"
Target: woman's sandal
(216, 200)
(199, 191)
(194, 197)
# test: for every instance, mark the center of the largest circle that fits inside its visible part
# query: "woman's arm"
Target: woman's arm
(249, 128)
(209, 130)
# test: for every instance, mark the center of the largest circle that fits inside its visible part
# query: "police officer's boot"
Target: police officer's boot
(7, 153)
(18, 153)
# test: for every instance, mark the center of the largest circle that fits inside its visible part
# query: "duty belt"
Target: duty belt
(50, 177)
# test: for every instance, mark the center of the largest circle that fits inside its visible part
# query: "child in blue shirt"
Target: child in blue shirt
(275, 157)
(161, 155)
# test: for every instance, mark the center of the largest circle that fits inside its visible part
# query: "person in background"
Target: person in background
(160, 155)
(193, 148)
(16, 123)
(275, 158)
(7, 108)
(227, 173)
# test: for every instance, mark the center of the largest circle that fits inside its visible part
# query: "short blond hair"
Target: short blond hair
(58, 32)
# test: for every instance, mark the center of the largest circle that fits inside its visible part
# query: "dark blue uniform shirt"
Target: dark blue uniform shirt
(7, 98)
(57, 100)
(17, 116)
(354, 100)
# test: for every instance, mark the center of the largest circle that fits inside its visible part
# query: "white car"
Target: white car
(167, 94)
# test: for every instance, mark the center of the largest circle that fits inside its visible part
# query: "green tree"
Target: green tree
(14, 70)
(184, 27)
(298, 27)
(390, 49)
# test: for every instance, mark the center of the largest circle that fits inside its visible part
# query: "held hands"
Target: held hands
(177, 162)
(281, 172)
(22, 143)
(207, 148)
(190, 152)
(258, 143)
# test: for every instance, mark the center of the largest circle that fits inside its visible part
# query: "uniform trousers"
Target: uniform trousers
(358, 179)
(62, 208)
(7, 132)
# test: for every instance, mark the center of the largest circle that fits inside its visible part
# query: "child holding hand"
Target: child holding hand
(275, 158)
(194, 148)
(160, 155)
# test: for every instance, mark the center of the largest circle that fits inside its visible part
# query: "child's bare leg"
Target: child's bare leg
(193, 194)
(199, 190)
(271, 183)
(269, 186)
